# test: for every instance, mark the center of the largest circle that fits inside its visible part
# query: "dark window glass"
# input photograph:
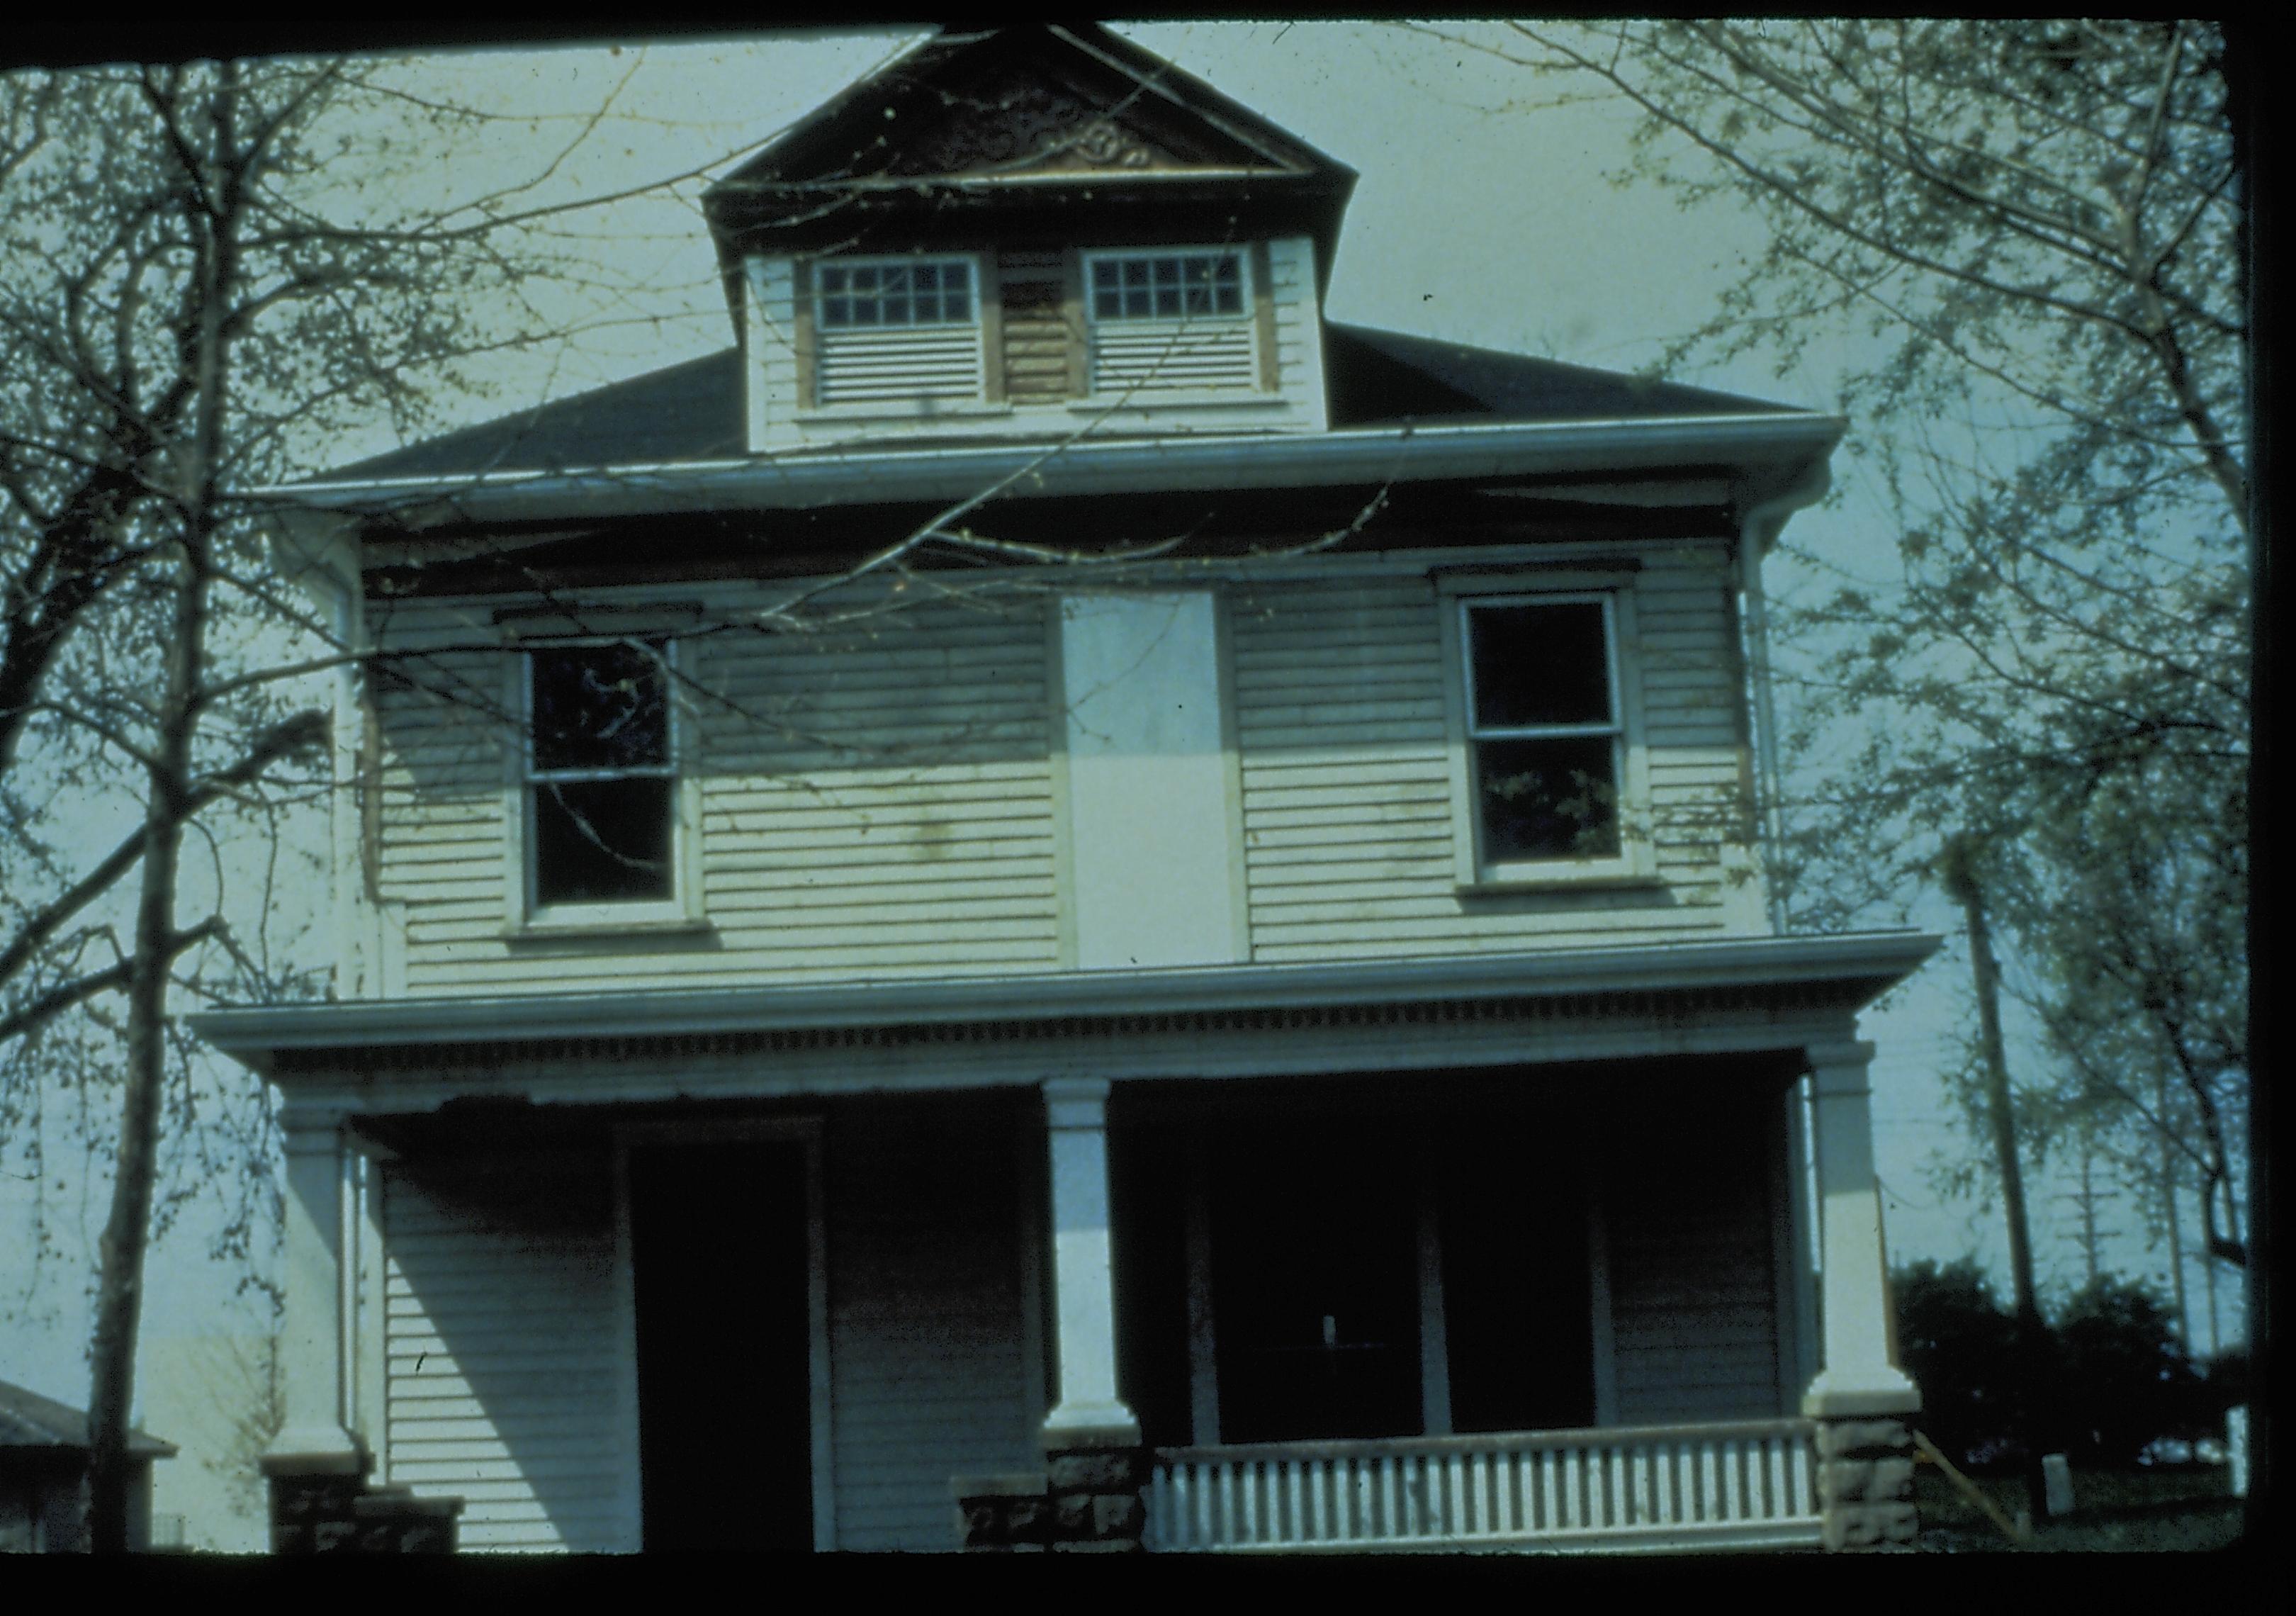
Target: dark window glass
(1548, 799)
(1540, 664)
(600, 707)
(602, 841)
(601, 786)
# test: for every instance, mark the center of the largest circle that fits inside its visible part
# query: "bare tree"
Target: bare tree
(2033, 229)
(192, 303)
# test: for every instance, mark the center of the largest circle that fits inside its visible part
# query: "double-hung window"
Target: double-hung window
(1171, 320)
(896, 331)
(1549, 775)
(601, 788)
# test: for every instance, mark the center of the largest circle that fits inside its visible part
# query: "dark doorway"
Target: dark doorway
(1517, 1302)
(1315, 1285)
(717, 1237)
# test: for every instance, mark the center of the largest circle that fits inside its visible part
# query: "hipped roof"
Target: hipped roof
(695, 411)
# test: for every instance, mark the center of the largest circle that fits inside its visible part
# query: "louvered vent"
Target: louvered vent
(1146, 357)
(898, 366)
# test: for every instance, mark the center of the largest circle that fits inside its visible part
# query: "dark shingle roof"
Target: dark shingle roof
(28, 1420)
(694, 411)
(1384, 375)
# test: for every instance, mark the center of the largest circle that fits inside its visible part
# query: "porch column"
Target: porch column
(1858, 1377)
(1076, 1125)
(1093, 1463)
(1860, 1400)
(315, 1304)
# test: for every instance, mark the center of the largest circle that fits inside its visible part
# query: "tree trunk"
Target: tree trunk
(2032, 1333)
(119, 1297)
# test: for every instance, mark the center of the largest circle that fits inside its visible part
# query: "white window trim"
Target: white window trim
(1248, 318)
(810, 406)
(682, 911)
(1635, 864)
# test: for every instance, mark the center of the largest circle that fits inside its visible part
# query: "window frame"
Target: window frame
(1634, 864)
(814, 335)
(1253, 296)
(681, 910)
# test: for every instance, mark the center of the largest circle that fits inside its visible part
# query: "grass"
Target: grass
(2180, 1508)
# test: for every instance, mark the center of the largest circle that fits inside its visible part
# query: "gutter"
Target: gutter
(1876, 960)
(1764, 444)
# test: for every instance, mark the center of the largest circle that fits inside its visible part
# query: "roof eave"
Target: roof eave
(1766, 449)
(1871, 963)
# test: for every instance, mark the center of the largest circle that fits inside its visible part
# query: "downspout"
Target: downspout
(1759, 527)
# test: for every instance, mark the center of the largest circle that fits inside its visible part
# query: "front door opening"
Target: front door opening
(717, 1237)
(1315, 1277)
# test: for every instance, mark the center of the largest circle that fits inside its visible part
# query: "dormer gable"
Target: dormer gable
(1023, 233)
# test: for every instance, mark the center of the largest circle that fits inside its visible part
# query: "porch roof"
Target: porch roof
(1846, 972)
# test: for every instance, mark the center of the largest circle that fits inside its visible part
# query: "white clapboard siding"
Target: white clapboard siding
(1298, 333)
(897, 365)
(1341, 697)
(1692, 1293)
(502, 1350)
(872, 800)
(1144, 357)
(932, 1374)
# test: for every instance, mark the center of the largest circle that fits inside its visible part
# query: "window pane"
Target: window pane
(600, 707)
(1540, 664)
(1547, 798)
(602, 841)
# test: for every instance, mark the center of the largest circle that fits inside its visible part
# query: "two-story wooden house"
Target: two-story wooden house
(1055, 901)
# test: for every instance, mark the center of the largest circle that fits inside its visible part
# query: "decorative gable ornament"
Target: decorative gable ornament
(1022, 124)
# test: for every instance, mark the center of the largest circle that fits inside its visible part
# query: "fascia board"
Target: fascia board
(1883, 959)
(925, 474)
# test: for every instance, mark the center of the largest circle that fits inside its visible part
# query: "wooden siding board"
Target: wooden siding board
(1347, 798)
(880, 799)
(499, 1298)
(930, 1378)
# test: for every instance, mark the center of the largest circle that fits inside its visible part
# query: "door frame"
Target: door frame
(806, 1132)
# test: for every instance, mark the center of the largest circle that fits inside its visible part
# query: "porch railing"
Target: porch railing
(1656, 1486)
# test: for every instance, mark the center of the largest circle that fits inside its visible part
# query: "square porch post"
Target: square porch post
(317, 1467)
(1094, 1464)
(1860, 1400)
(315, 1437)
(1076, 1127)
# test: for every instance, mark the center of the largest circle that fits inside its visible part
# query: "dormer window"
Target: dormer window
(896, 332)
(858, 295)
(1175, 322)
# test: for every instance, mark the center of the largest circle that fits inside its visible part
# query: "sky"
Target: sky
(1485, 214)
